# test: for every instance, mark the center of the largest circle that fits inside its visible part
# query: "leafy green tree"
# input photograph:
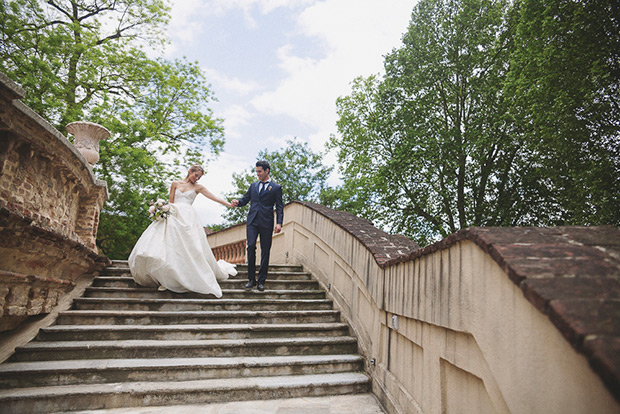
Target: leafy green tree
(85, 60)
(491, 113)
(428, 145)
(68, 55)
(565, 84)
(298, 169)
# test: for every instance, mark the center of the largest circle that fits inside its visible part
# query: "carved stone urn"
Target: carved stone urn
(87, 136)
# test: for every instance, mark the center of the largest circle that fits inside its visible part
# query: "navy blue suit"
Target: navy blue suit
(260, 222)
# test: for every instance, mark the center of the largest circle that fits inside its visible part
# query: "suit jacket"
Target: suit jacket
(261, 207)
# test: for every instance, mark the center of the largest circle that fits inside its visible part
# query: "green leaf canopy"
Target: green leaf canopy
(86, 60)
(488, 116)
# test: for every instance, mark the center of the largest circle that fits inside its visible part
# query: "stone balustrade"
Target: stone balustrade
(232, 253)
(229, 245)
(49, 210)
(489, 320)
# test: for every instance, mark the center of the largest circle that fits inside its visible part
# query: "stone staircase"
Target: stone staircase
(122, 345)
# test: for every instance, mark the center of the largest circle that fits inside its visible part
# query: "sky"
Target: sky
(276, 68)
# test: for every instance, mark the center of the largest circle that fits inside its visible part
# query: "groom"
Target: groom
(263, 195)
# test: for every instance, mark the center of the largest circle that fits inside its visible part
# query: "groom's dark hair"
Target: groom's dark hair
(264, 165)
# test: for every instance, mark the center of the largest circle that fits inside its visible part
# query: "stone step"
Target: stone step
(122, 264)
(273, 268)
(66, 350)
(190, 332)
(120, 292)
(141, 394)
(278, 284)
(125, 346)
(127, 281)
(105, 317)
(169, 305)
(273, 284)
(116, 270)
(277, 275)
(93, 371)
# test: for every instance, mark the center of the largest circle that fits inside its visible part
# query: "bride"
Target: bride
(174, 253)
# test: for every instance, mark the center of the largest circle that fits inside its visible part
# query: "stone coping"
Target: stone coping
(13, 91)
(571, 274)
(15, 277)
(227, 228)
(385, 247)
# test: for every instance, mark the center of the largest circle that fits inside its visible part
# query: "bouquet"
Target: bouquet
(159, 210)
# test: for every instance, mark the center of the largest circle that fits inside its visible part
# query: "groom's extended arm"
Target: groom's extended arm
(245, 199)
(279, 210)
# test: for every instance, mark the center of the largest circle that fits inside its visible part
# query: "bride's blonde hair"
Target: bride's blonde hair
(193, 168)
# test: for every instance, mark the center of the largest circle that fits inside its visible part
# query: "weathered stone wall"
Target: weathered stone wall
(504, 320)
(49, 209)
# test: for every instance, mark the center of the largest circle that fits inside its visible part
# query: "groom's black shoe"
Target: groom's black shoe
(250, 284)
(261, 287)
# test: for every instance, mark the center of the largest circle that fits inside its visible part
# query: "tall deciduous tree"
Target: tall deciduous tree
(85, 60)
(299, 170)
(491, 113)
(565, 85)
(69, 54)
(428, 142)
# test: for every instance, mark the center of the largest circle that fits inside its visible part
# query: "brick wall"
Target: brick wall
(49, 211)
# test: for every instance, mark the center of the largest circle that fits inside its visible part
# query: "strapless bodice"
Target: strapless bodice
(186, 197)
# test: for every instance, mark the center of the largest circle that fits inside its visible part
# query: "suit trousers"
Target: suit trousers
(252, 233)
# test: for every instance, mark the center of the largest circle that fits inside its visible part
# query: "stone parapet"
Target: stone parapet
(385, 248)
(43, 176)
(505, 320)
(50, 199)
(26, 295)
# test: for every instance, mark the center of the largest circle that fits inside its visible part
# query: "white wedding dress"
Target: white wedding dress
(174, 253)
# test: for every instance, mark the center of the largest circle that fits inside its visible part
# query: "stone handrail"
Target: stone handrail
(49, 210)
(506, 320)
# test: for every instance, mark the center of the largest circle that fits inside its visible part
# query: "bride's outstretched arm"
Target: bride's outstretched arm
(202, 190)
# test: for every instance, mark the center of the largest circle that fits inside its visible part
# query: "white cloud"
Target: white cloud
(356, 34)
(185, 23)
(218, 181)
(307, 93)
(265, 102)
(235, 117)
(219, 7)
(278, 141)
(265, 6)
(238, 86)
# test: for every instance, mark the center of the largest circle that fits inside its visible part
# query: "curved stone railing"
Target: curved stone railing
(505, 320)
(49, 211)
